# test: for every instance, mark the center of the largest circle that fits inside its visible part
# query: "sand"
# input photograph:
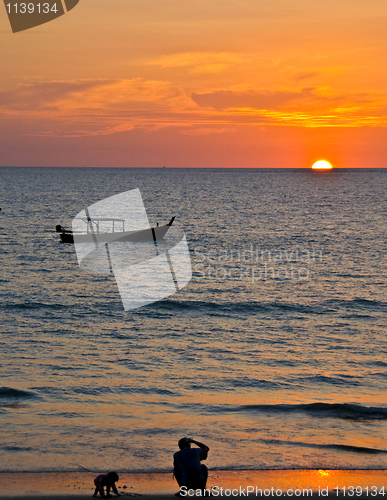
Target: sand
(225, 484)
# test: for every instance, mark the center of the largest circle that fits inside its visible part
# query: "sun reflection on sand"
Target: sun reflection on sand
(321, 482)
(317, 480)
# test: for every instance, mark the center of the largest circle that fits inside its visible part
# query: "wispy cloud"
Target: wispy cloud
(94, 107)
(81, 108)
(262, 99)
(67, 96)
(208, 130)
(306, 107)
(199, 62)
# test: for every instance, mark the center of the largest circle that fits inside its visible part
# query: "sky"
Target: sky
(204, 83)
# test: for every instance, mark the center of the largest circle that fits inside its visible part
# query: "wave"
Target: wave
(33, 305)
(18, 448)
(357, 303)
(9, 393)
(341, 447)
(345, 411)
(340, 380)
(174, 305)
(247, 307)
(244, 307)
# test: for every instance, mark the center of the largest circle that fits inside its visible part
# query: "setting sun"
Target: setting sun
(322, 164)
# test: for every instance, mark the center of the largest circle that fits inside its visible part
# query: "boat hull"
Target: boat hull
(146, 235)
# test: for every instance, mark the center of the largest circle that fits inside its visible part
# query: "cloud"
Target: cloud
(305, 75)
(208, 131)
(78, 108)
(79, 132)
(307, 107)
(67, 96)
(300, 72)
(199, 62)
(94, 107)
(266, 99)
(42, 95)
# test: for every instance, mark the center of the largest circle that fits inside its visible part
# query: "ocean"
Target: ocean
(274, 355)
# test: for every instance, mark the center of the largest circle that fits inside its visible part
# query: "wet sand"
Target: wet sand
(225, 484)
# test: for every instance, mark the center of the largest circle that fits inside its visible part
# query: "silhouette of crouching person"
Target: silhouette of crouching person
(187, 469)
(107, 480)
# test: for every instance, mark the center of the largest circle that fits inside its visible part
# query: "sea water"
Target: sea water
(274, 354)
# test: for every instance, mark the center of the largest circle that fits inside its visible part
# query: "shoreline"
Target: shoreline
(224, 483)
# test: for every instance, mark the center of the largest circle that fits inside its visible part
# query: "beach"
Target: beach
(250, 483)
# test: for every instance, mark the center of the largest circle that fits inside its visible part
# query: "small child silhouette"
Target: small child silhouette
(107, 480)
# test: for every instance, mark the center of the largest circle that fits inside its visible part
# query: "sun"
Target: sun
(321, 165)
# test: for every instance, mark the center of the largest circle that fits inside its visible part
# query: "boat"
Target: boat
(94, 235)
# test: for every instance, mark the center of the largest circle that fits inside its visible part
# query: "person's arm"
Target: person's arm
(205, 449)
(114, 488)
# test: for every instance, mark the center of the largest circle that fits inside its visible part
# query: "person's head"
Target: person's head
(184, 443)
(112, 477)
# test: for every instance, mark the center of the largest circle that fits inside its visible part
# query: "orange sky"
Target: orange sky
(204, 83)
